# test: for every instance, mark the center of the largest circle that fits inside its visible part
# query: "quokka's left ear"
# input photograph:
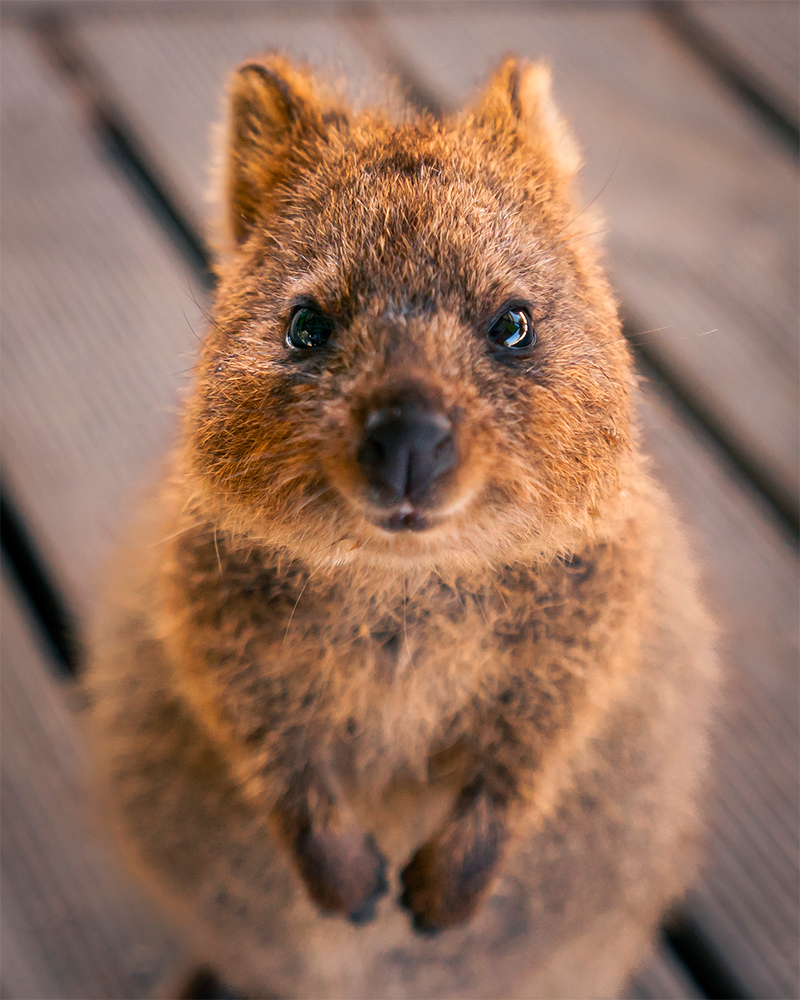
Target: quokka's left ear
(276, 123)
(518, 98)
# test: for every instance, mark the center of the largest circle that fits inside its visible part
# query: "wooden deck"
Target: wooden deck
(688, 113)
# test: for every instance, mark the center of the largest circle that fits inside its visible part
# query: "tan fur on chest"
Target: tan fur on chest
(378, 671)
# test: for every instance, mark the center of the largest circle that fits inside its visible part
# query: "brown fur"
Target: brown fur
(503, 714)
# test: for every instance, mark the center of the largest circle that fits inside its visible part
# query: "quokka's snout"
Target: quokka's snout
(406, 454)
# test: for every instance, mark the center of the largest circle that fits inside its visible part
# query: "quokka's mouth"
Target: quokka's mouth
(403, 518)
(407, 522)
(407, 517)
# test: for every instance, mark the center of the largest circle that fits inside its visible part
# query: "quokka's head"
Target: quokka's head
(413, 355)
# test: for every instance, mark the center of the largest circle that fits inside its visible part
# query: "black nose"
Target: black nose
(405, 450)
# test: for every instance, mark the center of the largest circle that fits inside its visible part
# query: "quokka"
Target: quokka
(402, 684)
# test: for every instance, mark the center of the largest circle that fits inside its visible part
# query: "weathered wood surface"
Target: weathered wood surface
(701, 209)
(99, 324)
(747, 899)
(167, 72)
(92, 277)
(763, 37)
(71, 924)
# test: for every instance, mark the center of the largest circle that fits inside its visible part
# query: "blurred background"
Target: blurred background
(688, 115)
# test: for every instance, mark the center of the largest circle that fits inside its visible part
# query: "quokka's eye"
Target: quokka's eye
(514, 331)
(309, 328)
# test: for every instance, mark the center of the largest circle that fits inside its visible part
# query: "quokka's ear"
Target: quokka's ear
(518, 97)
(275, 120)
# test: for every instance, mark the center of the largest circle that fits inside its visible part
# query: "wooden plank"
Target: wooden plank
(175, 104)
(72, 924)
(98, 329)
(747, 900)
(755, 831)
(701, 206)
(763, 38)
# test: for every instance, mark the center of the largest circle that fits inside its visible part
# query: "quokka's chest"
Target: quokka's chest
(363, 673)
(401, 669)
(390, 691)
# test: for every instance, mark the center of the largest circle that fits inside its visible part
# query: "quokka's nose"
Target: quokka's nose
(405, 450)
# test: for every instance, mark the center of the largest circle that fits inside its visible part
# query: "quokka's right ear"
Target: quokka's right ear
(518, 100)
(275, 120)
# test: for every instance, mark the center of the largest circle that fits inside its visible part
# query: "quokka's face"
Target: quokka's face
(413, 356)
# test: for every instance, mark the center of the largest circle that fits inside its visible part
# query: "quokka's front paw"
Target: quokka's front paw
(449, 875)
(344, 871)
